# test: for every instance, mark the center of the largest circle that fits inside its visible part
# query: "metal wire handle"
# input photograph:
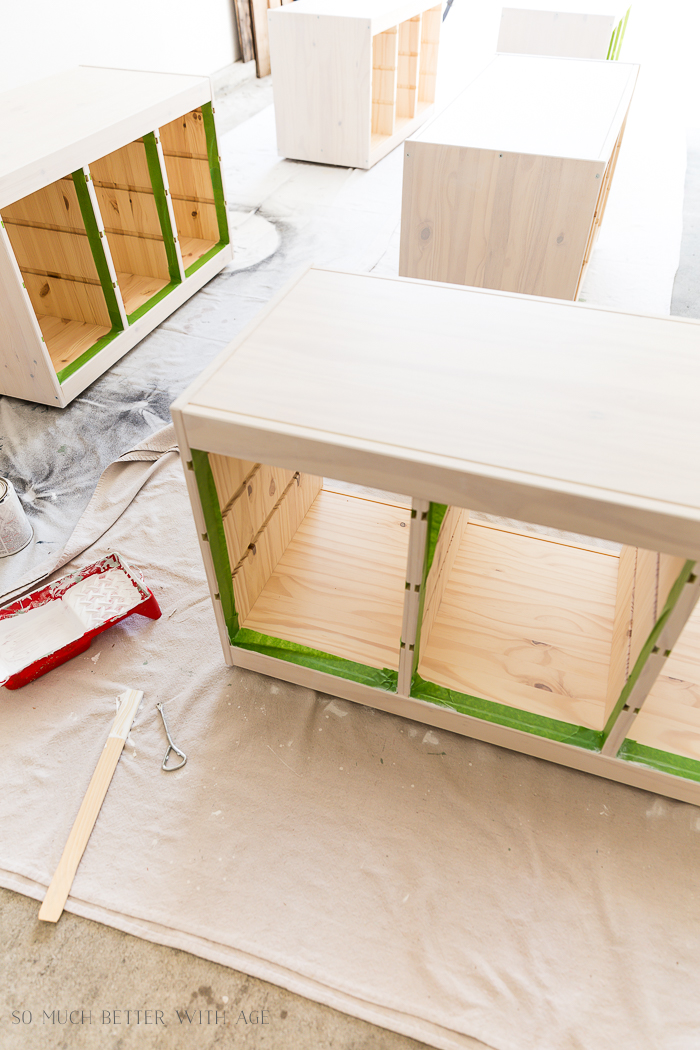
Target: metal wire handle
(171, 746)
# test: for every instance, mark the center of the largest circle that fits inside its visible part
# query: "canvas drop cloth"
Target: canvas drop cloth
(450, 890)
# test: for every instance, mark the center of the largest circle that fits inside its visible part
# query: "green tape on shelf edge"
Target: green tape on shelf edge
(209, 500)
(145, 307)
(664, 761)
(379, 678)
(502, 714)
(215, 172)
(166, 226)
(204, 259)
(89, 353)
(436, 516)
(673, 596)
(98, 253)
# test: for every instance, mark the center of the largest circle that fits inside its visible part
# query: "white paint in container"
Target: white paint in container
(15, 530)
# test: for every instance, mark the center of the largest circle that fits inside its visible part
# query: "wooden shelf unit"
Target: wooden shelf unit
(95, 248)
(507, 187)
(352, 80)
(485, 608)
(566, 29)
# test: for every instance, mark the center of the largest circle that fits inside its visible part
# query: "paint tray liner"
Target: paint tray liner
(49, 626)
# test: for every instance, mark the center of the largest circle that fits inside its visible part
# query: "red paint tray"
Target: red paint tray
(49, 626)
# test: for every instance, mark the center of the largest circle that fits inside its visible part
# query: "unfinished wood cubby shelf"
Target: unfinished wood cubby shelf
(564, 28)
(351, 79)
(113, 214)
(506, 551)
(507, 187)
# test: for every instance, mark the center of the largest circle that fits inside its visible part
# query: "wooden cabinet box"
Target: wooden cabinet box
(113, 214)
(578, 29)
(420, 401)
(507, 187)
(351, 78)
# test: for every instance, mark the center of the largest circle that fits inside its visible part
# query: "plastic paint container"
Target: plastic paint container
(15, 530)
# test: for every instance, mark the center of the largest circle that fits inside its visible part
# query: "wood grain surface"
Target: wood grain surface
(340, 584)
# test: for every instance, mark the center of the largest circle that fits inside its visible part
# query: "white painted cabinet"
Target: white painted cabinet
(475, 509)
(351, 78)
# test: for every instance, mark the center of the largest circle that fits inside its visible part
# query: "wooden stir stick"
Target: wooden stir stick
(57, 893)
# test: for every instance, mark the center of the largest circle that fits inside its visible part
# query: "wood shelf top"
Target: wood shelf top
(382, 14)
(534, 104)
(53, 126)
(558, 413)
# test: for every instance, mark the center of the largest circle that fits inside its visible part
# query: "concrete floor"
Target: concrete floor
(80, 965)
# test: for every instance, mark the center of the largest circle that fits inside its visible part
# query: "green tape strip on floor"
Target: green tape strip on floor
(209, 499)
(502, 714)
(97, 249)
(89, 353)
(664, 761)
(166, 226)
(379, 678)
(674, 595)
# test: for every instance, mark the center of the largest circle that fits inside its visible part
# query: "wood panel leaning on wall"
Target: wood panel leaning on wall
(251, 20)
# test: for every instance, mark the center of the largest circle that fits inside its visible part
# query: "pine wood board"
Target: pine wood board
(430, 39)
(131, 211)
(384, 81)
(192, 248)
(140, 256)
(245, 29)
(66, 340)
(680, 681)
(195, 221)
(59, 253)
(527, 624)
(446, 549)
(189, 177)
(127, 166)
(408, 65)
(339, 586)
(57, 203)
(519, 223)
(185, 135)
(261, 558)
(258, 10)
(71, 300)
(137, 289)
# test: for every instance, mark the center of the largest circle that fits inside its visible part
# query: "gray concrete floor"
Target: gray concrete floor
(80, 965)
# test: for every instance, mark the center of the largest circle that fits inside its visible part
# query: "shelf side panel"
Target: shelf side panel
(322, 84)
(408, 68)
(519, 223)
(430, 42)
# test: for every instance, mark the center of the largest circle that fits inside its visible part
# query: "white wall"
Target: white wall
(41, 37)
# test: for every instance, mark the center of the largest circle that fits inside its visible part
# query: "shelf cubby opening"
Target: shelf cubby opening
(52, 248)
(130, 213)
(537, 623)
(404, 68)
(198, 215)
(314, 563)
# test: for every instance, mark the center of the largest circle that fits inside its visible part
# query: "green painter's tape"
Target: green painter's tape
(97, 248)
(664, 761)
(379, 678)
(85, 357)
(436, 516)
(215, 172)
(673, 597)
(204, 259)
(502, 714)
(145, 307)
(217, 540)
(156, 174)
